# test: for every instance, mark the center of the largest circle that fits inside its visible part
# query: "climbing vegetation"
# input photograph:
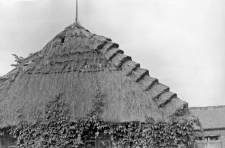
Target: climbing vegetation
(56, 130)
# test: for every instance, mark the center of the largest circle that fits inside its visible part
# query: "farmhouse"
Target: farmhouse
(212, 119)
(82, 65)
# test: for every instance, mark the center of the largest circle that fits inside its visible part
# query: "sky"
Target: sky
(180, 42)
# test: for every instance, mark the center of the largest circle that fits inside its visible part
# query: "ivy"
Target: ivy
(55, 130)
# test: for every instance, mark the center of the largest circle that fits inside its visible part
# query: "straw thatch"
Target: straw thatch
(82, 65)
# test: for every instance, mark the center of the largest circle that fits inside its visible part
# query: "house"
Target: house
(82, 65)
(212, 119)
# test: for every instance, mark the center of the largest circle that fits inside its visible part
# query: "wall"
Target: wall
(210, 139)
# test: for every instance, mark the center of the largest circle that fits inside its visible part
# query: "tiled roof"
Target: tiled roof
(210, 117)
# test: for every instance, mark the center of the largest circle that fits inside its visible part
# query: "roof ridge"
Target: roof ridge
(138, 74)
(207, 107)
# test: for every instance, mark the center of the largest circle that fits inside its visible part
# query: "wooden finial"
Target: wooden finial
(76, 12)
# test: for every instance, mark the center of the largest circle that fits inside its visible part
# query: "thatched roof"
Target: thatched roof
(82, 65)
(212, 117)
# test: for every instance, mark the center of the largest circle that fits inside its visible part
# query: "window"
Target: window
(212, 138)
(208, 138)
(2, 143)
(7, 142)
(89, 142)
(199, 138)
(102, 142)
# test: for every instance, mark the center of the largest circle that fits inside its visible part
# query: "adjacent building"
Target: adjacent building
(212, 119)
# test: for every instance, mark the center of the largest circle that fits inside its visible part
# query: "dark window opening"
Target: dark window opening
(199, 138)
(208, 138)
(211, 138)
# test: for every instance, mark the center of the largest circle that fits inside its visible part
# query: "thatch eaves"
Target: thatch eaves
(82, 65)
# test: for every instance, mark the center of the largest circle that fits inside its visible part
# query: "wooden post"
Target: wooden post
(76, 12)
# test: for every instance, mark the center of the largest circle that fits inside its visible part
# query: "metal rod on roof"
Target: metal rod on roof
(76, 12)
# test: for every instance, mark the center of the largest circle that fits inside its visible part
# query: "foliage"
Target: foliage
(52, 130)
(55, 130)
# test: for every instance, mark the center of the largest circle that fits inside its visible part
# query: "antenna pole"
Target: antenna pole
(76, 11)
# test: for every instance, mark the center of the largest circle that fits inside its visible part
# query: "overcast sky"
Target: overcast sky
(180, 42)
